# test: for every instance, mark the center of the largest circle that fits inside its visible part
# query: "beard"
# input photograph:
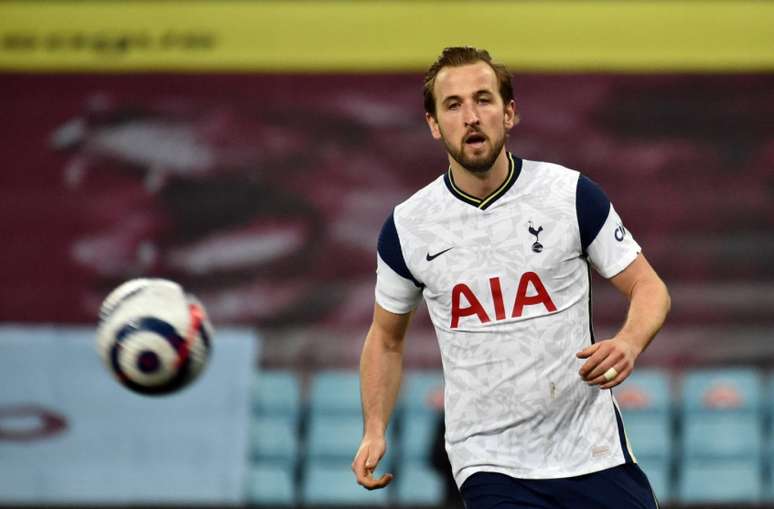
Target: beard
(473, 163)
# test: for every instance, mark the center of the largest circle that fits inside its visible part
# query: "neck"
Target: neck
(480, 184)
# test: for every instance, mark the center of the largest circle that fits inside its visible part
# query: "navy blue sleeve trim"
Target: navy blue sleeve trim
(389, 250)
(592, 207)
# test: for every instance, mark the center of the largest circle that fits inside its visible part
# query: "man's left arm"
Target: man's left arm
(649, 303)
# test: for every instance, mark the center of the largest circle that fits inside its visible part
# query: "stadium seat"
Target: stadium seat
(770, 393)
(769, 479)
(650, 436)
(417, 436)
(323, 485)
(709, 436)
(419, 390)
(335, 393)
(421, 409)
(277, 393)
(272, 440)
(722, 414)
(419, 486)
(334, 439)
(659, 475)
(646, 407)
(270, 485)
(733, 390)
(720, 481)
(645, 391)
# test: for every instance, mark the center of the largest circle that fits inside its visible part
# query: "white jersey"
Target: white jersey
(507, 285)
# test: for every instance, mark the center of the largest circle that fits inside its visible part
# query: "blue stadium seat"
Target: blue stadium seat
(270, 485)
(722, 414)
(418, 389)
(273, 440)
(731, 390)
(650, 436)
(277, 393)
(335, 393)
(646, 407)
(770, 393)
(718, 436)
(721, 481)
(769, 479)
(419, 486)
(417, 436)
(324, 485)
(420, 414)
(334, 439)
(645, 391)
(659, 475)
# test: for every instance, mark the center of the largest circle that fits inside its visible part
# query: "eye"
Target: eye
(453, 106)
(484, 100)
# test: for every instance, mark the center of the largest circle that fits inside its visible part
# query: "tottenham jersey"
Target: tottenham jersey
(506, 280)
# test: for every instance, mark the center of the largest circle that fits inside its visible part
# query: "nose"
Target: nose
(470, 116)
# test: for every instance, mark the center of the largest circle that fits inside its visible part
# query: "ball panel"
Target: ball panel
(120, 295)
(153, 337)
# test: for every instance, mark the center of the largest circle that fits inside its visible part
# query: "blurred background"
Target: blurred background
(251, 150)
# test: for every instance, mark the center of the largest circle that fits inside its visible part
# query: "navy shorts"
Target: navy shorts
(621, 487)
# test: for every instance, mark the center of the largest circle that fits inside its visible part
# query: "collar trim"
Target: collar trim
(514, 170)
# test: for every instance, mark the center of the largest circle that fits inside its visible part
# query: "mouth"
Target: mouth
(475, 140)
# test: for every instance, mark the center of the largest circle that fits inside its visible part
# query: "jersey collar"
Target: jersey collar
(514, 169)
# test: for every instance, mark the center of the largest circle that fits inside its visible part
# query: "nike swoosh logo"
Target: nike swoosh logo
(430, 257)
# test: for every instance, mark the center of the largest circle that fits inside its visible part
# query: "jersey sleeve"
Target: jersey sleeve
(605, 241)
(397, 290)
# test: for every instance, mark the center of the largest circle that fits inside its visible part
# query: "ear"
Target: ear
(432, 123)
(511, 115)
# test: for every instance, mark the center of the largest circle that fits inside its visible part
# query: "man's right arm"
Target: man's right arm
(380, 373)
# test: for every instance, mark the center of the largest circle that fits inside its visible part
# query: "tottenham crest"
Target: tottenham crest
(536, 246)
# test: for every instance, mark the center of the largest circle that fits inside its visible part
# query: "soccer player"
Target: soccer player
(500, 249)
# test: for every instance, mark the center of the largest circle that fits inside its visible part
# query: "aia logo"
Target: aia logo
(620, 233)
(529, 283)
(536, 246)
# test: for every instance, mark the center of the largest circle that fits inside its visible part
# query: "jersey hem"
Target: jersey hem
(465, 473)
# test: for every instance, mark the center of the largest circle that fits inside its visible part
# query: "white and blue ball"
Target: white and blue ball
(152, 336)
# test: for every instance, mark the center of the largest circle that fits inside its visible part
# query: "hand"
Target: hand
(610, 353)
(368, 456)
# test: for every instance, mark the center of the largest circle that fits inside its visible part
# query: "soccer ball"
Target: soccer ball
(152, 336)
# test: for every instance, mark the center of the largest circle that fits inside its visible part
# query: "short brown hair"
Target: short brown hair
(464, 55)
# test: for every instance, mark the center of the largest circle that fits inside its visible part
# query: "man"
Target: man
(500, 248)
